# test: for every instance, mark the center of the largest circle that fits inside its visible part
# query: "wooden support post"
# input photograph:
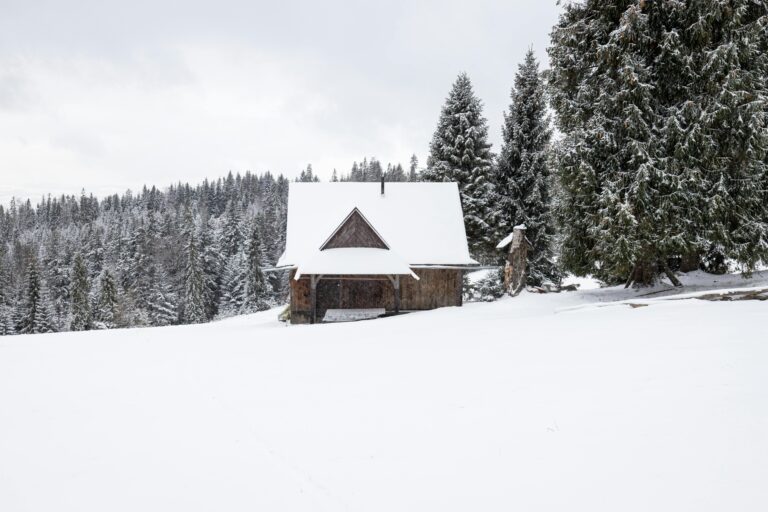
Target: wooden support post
(397, 294)
(395, 280)
(313, 297)
(460, 289)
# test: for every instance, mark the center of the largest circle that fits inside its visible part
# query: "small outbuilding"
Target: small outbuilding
(357, 250)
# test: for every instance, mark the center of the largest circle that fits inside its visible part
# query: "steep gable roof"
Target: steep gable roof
(422, 222)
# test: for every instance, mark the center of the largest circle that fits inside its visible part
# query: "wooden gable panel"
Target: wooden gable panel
(355, 231)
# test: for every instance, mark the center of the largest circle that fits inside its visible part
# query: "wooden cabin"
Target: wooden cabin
(360, 250)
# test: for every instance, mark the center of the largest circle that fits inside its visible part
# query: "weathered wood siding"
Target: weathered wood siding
(436, 288)
(355, 232)
(301, 302)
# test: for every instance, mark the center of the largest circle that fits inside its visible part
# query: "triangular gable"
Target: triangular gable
(354, 231)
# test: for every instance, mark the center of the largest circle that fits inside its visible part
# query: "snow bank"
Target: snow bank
(503, 406)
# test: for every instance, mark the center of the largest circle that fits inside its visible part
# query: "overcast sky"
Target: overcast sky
(112, 95)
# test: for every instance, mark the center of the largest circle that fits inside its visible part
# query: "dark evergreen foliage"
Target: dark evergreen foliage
(523, 175)
(153, 258)
(80, 295)
(460, 152)
(256, 291)
(33, 314)
(372, 170)
(664, 109)
(106, 312)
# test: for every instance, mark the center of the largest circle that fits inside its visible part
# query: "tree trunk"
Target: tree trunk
(690, 261)
(631, 277)
(671, 275)
(643, 274)
(515, 274)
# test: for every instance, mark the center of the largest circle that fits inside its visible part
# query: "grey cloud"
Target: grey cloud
(119, 93)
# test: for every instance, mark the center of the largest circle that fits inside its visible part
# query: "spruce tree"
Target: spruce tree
(729, 53)
(272, 230)
(413, 169)
(307, 175)
(55, 270)
(256, 295)
(34, 312)
(106, 314)
(374, 171)
(233, 286)
(232, 235)
(460, 152)
(193, 299)
(663, 108)
(141, 240)
(82, 319)
(212, 269)
(355, 174)
(162, 308)
(6, 295)
(144, 263)
(523, 174)
(7, 326)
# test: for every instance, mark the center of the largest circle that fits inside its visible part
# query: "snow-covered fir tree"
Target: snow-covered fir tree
(213, 262)
(139, 238)
(193, 299)
(272, 234)
(57, 276)
(523, 174)
(395, 173)
(232, 234)
(663, 108)
(729, 52)
(413, 168)
(233, 285)
(371, 169)
(162, 306)
(307, 175)
(106, 310)
(33, 314)
(256, 295)
(6, 291)
(7, 326)
(460, 152)
(80, 293)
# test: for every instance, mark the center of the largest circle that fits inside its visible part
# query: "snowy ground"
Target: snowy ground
(575, 401)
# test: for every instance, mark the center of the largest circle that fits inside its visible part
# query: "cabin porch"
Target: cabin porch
(313, 295)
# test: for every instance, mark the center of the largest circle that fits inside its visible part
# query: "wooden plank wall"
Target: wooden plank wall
(437, 288)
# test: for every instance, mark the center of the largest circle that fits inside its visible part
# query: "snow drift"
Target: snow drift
(523, 404)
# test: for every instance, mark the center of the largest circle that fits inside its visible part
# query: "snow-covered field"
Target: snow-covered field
(574, 401)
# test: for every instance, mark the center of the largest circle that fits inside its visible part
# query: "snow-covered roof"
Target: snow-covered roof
(355, 261)
(421, 222)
